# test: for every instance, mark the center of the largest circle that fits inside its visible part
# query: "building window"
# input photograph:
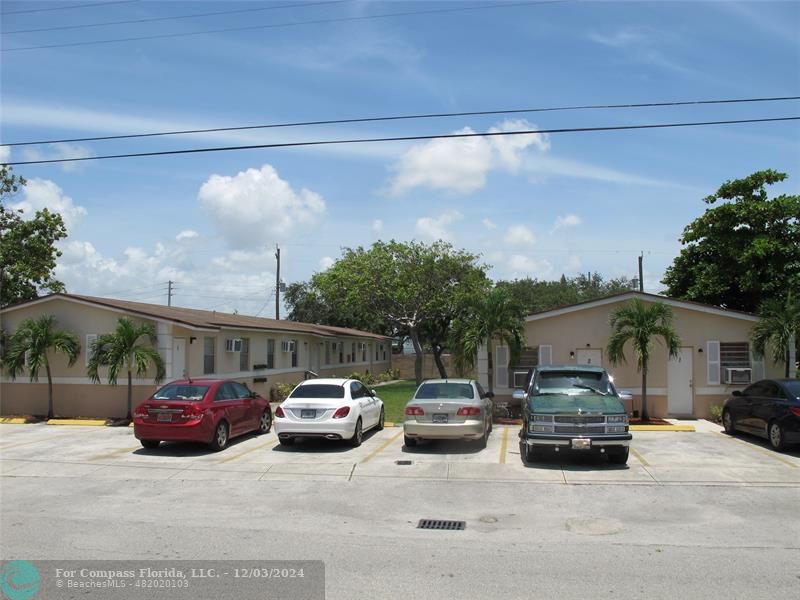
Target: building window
(209, 352)
(341, 353)
(270, 354)
(353, 352)
(90, 340)
(363, 352)
(327, 353)
(294, 354)
(383, 347)
(244, 355)
(733, 355)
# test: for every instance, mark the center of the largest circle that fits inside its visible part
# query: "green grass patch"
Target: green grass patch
(395, 396)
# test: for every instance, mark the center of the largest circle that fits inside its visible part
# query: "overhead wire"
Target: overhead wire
(408, 117)
(406, 138)
(52, 8)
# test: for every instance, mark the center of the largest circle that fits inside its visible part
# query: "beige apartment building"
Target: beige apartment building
(715, 356)
(257, 351)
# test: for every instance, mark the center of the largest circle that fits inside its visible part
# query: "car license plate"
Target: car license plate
(308, 413)
(164, 417)
(440, 418)
(581, 444)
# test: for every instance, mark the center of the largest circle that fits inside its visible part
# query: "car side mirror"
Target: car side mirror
(737, 393)
(373, 393)
(519, 394)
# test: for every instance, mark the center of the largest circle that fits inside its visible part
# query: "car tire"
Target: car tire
(619, 457)
(409, 442)
(358, 435)
(286, 441)
(483, 440)
(381, 420)
(150, 444)
(777, 436)
(221, 436)
(727, 422)
(265, 422)
(491, 424)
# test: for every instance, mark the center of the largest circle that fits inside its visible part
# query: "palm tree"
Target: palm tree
(30, 345)
(122, 350)
(778, 327)
(639, 323)
(493, 315)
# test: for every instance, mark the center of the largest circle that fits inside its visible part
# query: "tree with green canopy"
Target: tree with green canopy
(639, 322)
(778, 327)
(30, 347)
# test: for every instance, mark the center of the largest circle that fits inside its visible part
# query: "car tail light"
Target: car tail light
(279, 413)
(795, 411)
(141, 412)
(342, 412)
(468, 411)
(414, 411)
(192, 412)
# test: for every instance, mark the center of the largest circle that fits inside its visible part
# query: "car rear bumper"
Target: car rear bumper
(330, 429)
(188, 432)
(444, 431)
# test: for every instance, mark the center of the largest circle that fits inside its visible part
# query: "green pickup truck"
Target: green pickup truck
(573, 408)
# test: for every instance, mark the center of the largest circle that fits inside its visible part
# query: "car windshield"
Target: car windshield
(793, 387)
(318, 390)
(572, 382)
(430, 391)
(193, 393)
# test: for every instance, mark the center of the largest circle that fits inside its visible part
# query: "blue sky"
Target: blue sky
(534, 206)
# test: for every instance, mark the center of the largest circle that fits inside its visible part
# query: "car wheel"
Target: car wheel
(409, 442)
(265, 422)
(286, 441)
(727, 422)
(358, 435)
(777, 438)
(381, 422)
(482, 441)
(619, 457)
(150, 444)
(491, 425)
(220, 439)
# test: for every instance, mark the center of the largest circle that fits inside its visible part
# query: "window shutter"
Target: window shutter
(713, 362)
(546, 355)
(90, 339)
(501, 366)
(757, 366)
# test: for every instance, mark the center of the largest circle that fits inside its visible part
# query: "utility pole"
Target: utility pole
(278, 283)
(641, 280)
(169, 293)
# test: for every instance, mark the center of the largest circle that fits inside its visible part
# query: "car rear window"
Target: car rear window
(318, 390)
(430, 391)
(193, 393)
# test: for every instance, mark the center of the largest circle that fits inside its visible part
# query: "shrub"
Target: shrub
(716, 413)
(280, 391)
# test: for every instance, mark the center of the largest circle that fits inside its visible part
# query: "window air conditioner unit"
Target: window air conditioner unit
(738, 375)
(233, 345)
(288, 345)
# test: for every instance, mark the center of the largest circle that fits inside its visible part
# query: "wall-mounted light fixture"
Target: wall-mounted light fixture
(192, 339)
(588, 345)
(571, 355)
(700, 350)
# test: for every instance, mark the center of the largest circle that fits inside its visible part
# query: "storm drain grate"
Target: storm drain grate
(403, 463)
(442, 525)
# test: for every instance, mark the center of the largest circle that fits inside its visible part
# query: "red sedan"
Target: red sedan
(211, 411)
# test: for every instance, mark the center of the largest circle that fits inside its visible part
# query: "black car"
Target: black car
(769, 408)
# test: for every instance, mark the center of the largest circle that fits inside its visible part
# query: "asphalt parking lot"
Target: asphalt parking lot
(705, 457)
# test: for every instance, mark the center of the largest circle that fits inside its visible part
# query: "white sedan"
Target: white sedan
(334, 409)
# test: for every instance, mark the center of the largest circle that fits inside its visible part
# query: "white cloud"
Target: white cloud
(5, 154)
(188, 234)
(618, 39)
(257, 202)
(520, 235)
(435, 228)
(325, 263)
(550, 165)
(377, 226)
(59, 152)
(573, 264)
(43, 193)
(489, 224)
(461, 165)
(569, 220)
(521, 265)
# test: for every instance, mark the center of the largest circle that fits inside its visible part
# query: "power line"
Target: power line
(92, 4)
(289, 24)
(173, 18)
(407, 138)
(405, 118)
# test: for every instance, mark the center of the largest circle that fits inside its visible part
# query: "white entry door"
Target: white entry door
(178, 358)
(590, 356)
(680, 392)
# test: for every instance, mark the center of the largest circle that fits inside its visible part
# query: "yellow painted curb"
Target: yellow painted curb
(13, 421)
(95, 422)
(390, 424)
(662, 428)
